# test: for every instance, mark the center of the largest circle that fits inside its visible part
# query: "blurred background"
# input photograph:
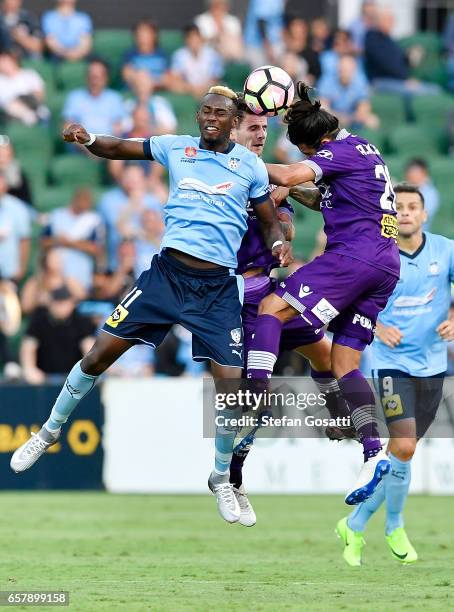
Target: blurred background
(75, 231)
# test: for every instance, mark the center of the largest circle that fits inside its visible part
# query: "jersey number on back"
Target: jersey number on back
(388, 199)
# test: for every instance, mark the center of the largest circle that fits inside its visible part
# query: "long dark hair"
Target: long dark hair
(308, 123)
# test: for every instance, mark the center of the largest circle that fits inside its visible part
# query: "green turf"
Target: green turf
(174, 553)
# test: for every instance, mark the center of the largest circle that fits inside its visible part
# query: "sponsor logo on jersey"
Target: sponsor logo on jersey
(119, 314)
(325, 154)
(304, 291)
(389, 227)
(190, 151)
(409, 301)
(364, 322)
(192, 184)
(326, 193)
(325, 311)
(234, 163)
(392, 405)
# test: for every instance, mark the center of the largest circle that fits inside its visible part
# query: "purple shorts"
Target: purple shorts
(344, 293)
(295, 333)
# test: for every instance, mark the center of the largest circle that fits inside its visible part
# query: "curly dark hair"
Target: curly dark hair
(308, 123)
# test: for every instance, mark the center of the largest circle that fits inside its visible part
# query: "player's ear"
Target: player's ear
(235, 122)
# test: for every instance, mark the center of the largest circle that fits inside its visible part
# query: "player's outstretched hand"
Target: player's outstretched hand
(446, 330)
(75, 133)
(279, 194)
(391, 336)
(283, 252)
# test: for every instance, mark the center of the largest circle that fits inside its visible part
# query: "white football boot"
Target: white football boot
(29, 453)
(369, 478)
(247, 516)
(228, 506)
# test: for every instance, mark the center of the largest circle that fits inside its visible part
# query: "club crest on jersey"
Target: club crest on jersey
(325, 154)
(434, 269)
(236, 335)
(234, 163)
(190, 151)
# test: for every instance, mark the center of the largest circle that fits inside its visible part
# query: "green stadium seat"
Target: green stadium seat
(389, 108)
(185, 108)
(29, 141)
(376, 137)
(48, 198)
(111, 45)
(235, 74)
(428, 40)
(431, 66)
(396, 165)
(442, 171)
(74, 169)
(171, 40)
(71, 75)
(413, 140)
(433, 110)
(307, 223)
(45, 69)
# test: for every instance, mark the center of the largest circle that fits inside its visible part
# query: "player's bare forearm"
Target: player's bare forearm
(108, 147)
(307, 194)
(288, 230)
(272, 232)
(290, 175)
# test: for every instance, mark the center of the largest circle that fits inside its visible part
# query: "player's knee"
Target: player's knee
(404, 448)
(95, 362)
(266, 306)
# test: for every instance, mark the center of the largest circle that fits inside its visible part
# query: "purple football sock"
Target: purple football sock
(264, 347)
(328, 385)
(355, 388)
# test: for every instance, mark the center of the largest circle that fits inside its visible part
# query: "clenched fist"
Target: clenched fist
(75, 133)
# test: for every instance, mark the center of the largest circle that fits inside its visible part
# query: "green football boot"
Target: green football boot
(401, 547)
(353, 541)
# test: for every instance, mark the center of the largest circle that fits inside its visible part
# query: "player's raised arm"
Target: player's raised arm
(108, 147)
(290, 175)
(307, 194)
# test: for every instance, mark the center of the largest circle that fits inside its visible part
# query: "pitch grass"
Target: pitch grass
(171, 553)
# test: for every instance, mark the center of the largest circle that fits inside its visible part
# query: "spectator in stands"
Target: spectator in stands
(448, 44)
(21, 29)
(22, 91)
(147, 239)
(347, 96)
(221, 30)
(161, 118)
(295, 66)
(329, 59)
(320, 35)
(15, 232)
(387, 66)
(285, 152)
(143, 126)
(263, 31)
(78, 234)
(11, 168)
(137, 362)
(296, 39)
(196, 66)
(131, 192)
(112, 284)
(98, 108)
(49, 276)
(147, 59)
(56, 337)
(10, 319)
(68, 33)
(362, 24)
(417, 173)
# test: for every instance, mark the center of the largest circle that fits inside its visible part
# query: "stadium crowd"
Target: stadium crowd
(64, 266)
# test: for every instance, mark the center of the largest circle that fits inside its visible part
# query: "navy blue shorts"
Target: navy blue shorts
(409, 397)
(206, 302)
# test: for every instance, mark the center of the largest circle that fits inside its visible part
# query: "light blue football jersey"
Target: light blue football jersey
(205, 215)
(419, 303)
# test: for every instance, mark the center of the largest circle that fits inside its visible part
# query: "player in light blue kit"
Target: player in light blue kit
(409, 361)
(192, 281)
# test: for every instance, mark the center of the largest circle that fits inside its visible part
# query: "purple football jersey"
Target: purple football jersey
(253, 252)
(358, 201)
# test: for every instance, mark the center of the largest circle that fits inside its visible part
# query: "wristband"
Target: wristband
(91, 141)
(277, 243)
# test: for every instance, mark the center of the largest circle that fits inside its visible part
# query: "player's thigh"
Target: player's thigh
(149, 309)
(429, 396)
(213, 316)
(104, 352)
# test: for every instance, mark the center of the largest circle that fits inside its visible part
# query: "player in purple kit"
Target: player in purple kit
(256, 264)
(351, 282)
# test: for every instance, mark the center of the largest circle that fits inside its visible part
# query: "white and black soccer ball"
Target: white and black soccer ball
(268, 90)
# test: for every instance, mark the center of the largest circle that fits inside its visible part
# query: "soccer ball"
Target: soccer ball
(268, 90)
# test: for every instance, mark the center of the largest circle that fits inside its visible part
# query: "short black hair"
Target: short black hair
(417, 161)
(97, 59)
(308, 123)
(242, 108)
(145, 21)
(409, 188)
(191, 27)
